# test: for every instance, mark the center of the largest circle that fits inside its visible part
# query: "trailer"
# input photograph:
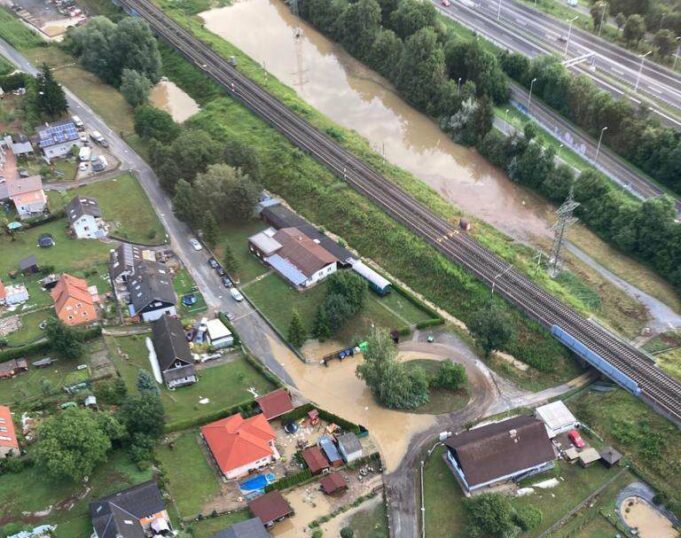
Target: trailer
(595, 360)
(377, 283)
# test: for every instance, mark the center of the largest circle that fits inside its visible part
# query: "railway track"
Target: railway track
(663, 392)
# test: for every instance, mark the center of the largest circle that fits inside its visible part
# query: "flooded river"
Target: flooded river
(168, 96)
(353, 96)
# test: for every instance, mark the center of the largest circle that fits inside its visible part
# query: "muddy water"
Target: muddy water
(167, 96)
(649, 522)
(337, 389)
(353, 96)
(308, 503)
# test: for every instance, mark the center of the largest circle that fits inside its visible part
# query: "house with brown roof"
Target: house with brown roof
(13, 367)
(270, 508)
(500, 452)
(240, 445)
(333, 483)
(275, 403)
(315, 460)
(28, 196)
(73, 301)
(8, 437)
(295, 256)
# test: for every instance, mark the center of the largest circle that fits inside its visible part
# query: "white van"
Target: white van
(96, 136)
(77, 121)
(84, 154)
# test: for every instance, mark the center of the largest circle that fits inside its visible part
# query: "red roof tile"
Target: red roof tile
(8, 437)
(270, 507)
(315, 460)
(275, 403)
(332, 483)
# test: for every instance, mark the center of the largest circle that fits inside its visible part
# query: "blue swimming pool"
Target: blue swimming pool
(257, 483)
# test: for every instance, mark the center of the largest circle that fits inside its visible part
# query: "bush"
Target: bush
(290, 481)
(347, 532)
(528, 517)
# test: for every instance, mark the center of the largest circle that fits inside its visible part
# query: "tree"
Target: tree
(515, 65)
(490, 514)
(634, 29)
(111, 391)
(63, 340)
(665, 42)
(50, 97)
(620, 20)
(46, 386)
(359, 26)
(186, 205)
(450, 376)
(392, 383)
(229, 261)
(321, 330)
(338, 311)
(210, 230)
(111, 426)
(143, 414)
(136, 48)
(150, 122)
(228, 193)
(599, 13)
(470, 61)
(296, 330)
(350, 286)
(146, 382)
(528, 517)
(412, 16)
(135, 87)
(70, 444)
(492, 328)
(385, 53)
(245, 158)
(422, 68)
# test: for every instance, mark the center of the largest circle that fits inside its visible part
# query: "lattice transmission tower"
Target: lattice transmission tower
(566, 219)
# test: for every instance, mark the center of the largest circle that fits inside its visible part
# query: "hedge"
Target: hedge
(225, 320)
(302, 411)
(290, 481)
(246, 407)
(429, 323)
(13, 82)
(417, 303)
(28, 349)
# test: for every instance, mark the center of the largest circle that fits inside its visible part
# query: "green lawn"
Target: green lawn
(445, 515)
(404, 308)
(184, 284)
(15, 497)
(236, 235)
(30, 330)
(210, 526)
(440, 400)
(15, 33)
(225, 385)
(191, 480)
(372, 523)
(125, 205)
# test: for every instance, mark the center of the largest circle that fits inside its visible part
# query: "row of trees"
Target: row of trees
(123, 54)
(656, 14)
(631, 133)
(345, 298)
(403, 41)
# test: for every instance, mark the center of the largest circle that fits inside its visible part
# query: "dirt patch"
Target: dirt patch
(9, 325)
(649, 522)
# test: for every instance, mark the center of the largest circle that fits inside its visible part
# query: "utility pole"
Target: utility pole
(529, 98)
(600, 139)
(567, 43)
(565, 220)
(640, 69)
(600, 26)
(499, 10)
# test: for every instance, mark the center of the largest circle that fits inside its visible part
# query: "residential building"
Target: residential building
(132, 513)
(57, 139)
(172, 352)
(315, 460)
(27, 195)
(296, 257)
(124, 259)
(151, 292)
(28, 265)
(13, 367)
(85, 218)
(240, 445)
(499, 452)
(219, 336)
(275, 403)
(557, 418)
(330, 450)
(8, 437)
(333, 483)
(251, 528)
(349, 447)
(270, 508)
(13, 294)
(74, 302)
(20, 145)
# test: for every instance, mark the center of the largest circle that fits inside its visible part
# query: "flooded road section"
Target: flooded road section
(340, 87)
(169, 97)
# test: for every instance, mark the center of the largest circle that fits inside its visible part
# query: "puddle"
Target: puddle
(168, 96)
(337, 389)
(649, 522)
(347, 92)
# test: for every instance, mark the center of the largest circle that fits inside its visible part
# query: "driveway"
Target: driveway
(254, 331)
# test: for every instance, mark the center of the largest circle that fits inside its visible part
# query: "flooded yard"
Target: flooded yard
(168, 96)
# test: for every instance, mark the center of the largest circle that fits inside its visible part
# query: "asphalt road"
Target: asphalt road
(530, 32)
(253, 330)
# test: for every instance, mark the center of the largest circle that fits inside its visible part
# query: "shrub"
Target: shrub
(528, 517)
(347, 532)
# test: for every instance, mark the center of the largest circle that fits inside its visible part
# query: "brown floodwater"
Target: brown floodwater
(355, 97)
(168, 96)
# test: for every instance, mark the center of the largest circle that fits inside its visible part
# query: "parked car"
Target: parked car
(195, 244)
(446, 3)
(226, 282)
(220, 271)
(104, 143)
(83, 167)
(213, 263)
(229, 315)
(576, 439)
(236, 295)
(96, 136)
(83, 137)
(77, 122)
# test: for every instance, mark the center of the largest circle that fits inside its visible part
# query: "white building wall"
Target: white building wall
(86, 227)
(322, 274)
(156, 314)
(60, 150)
(28, 210)
(245, 469)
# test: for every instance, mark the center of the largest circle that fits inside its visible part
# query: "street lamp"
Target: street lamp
(600, 26)
(640, 69)
(676, 56)
(499, 10)
(458, 86)
(567, 42)
(600, 139)
(529, 98)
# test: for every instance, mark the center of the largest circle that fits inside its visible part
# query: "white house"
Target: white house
(56, 139)
(219, 336)
(85, 218)
(557, 418)
(15, 294)
(349, 447)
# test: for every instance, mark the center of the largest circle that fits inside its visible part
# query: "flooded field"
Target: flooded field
(167, 96)
(650, 523)
(352, 95)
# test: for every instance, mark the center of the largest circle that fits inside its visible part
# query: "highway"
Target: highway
(658, 389)
(520, 28)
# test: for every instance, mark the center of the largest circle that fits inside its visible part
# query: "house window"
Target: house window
(70, 317)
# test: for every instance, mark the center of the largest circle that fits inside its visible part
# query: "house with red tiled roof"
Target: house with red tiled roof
(240, 445)
(8, 437)
(275, 403)
(73, 301)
